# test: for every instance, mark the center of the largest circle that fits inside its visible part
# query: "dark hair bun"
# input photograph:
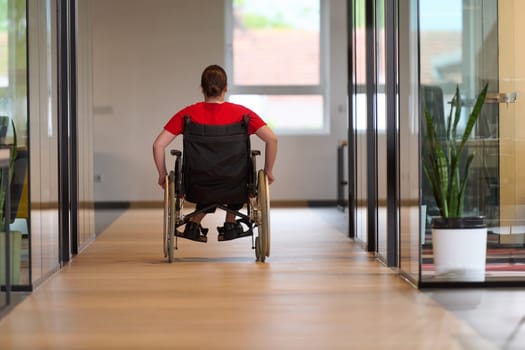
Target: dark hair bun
(213, 80)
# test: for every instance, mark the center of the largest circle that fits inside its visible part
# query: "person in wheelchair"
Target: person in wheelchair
(214, 110)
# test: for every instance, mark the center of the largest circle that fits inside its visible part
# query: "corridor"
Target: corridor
(318, 290)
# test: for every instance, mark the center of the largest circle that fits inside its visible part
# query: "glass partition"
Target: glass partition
(43, 179)
(360, 121)
(381, 130)
(469, 44)
(409, 209)
(3, 83)
(85, 120)
(13, 131)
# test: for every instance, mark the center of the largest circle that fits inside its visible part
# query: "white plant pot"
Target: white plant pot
(460, 254)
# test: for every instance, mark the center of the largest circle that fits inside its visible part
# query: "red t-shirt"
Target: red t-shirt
(214, 114)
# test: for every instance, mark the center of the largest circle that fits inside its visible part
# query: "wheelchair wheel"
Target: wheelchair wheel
(259, 254)
(166, 219)
(171, 215)
(262, 242)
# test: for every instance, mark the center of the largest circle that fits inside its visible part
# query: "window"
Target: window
(275, 62)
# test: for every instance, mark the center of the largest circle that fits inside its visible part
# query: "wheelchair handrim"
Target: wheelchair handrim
(264, 208)
(166, 214)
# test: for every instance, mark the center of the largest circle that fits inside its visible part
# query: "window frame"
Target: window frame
(320, 89)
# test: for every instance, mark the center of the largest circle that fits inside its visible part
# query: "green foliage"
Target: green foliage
(360, 14)
(3, 15)
(446, 154)
(255, 21)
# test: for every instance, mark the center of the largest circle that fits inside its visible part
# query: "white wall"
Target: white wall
(148, 57)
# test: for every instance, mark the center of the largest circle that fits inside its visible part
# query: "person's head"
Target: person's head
(213, 81)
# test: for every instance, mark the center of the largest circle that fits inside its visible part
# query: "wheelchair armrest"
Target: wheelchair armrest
(175, 152)
(256, 153)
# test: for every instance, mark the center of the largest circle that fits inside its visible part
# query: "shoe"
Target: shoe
(192, 231)
(230, 230)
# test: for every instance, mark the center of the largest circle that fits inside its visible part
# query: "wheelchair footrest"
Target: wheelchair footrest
(228, 236)
(201, 238)
(194, 232)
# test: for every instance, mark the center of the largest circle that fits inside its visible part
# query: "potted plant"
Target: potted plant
(459, 242)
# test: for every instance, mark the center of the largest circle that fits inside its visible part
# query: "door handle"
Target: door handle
(501, 97)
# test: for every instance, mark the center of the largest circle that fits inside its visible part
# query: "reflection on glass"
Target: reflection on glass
(43, 122)
(408, 141)
(13, 127)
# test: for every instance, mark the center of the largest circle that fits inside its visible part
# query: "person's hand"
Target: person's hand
(162, 181)
(270, 176)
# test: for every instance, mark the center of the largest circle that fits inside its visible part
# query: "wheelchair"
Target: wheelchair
(217, 166)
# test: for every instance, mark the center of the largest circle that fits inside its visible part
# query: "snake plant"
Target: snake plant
(447, 163)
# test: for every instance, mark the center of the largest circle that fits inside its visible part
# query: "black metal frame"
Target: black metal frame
(351, 188)
(342, 203)
(371, 126)
(391, 32)
(392, 111)
(67, 129)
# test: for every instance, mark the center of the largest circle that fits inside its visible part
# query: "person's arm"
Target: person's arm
(159, 148)
(266, 134)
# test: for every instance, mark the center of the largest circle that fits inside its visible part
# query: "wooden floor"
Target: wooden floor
(318, 290)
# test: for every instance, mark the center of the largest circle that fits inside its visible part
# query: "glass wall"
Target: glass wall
(381, 137)
(13, 132)
(372, 143)
(43, 145)
(463, 47)
(409, 210)
(461, 85)
(86, 207)
(359, 116)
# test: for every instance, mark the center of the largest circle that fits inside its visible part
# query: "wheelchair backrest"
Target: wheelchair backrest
(216, 161)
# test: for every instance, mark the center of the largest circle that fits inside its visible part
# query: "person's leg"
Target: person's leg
(230, 217)
(232, 229)
(193, 228)
(198, 218)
